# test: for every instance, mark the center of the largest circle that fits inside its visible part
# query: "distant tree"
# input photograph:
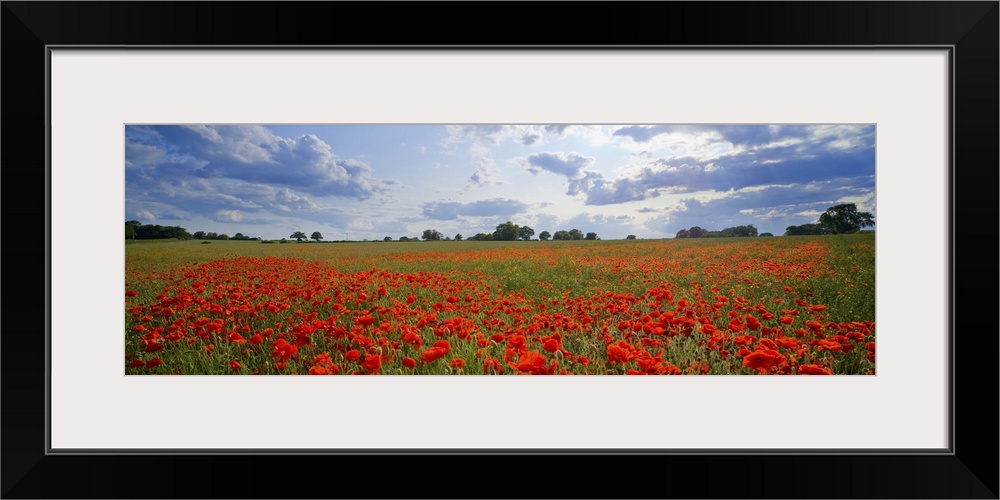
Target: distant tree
(403, 238)
(805, 230)
(630, 237)
(431, 235)
(198, 235)
(316, 236)
(737, 231)
(130, 229)
(697, 232)
(576, 234)
(211, 236)
(544, 235)
(298, 235)
(525, 233)
(766, 234)
(562, 235)
(387, 238)
(845, 219)
(508, 231)
(239, 236)
(683, 233)
(223, 236)
(458, 237)
(137, 231)
(591, 236)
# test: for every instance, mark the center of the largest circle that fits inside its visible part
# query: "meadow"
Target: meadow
(715, 306)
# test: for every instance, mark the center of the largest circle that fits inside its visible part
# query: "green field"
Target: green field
(764, 305)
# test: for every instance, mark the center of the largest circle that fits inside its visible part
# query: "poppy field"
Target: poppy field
(727, 306)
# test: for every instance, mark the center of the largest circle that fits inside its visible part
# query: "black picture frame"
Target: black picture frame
(969, 470)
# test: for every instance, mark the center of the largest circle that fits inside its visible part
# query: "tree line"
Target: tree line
(508, 231)
(838, 219)
(729, 232)
(135, 230)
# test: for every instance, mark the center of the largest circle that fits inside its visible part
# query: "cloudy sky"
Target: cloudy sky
(371, 181)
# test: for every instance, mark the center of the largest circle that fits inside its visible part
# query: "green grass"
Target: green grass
(836, 271)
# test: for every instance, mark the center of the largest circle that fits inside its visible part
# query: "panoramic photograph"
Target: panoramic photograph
(499, 249)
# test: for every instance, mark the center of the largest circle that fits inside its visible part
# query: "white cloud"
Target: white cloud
(570, 165)
(228, 216)
(486, 171)
(450, 210)
(287, 201)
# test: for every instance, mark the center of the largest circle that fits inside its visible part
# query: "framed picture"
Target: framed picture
(918, 79)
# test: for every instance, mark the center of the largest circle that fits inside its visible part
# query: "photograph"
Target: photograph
(228, 189)
(500, 249)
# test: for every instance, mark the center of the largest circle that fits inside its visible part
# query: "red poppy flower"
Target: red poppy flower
(154, 363)
(409, 363)
(457, 363)
(283, 350)
(531, 362)
(551, 345)
(372, 363)
(831, 345)
(763, 360)
(616, 354)
(813, 370)
(492, 364)
(138, 363)
(353, 355)
(432, 354)
(789, 342)
(317, 370)
(766, 343)
(235, 365)
(365, 320)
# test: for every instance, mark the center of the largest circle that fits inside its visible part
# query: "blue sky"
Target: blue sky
(371, 181)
